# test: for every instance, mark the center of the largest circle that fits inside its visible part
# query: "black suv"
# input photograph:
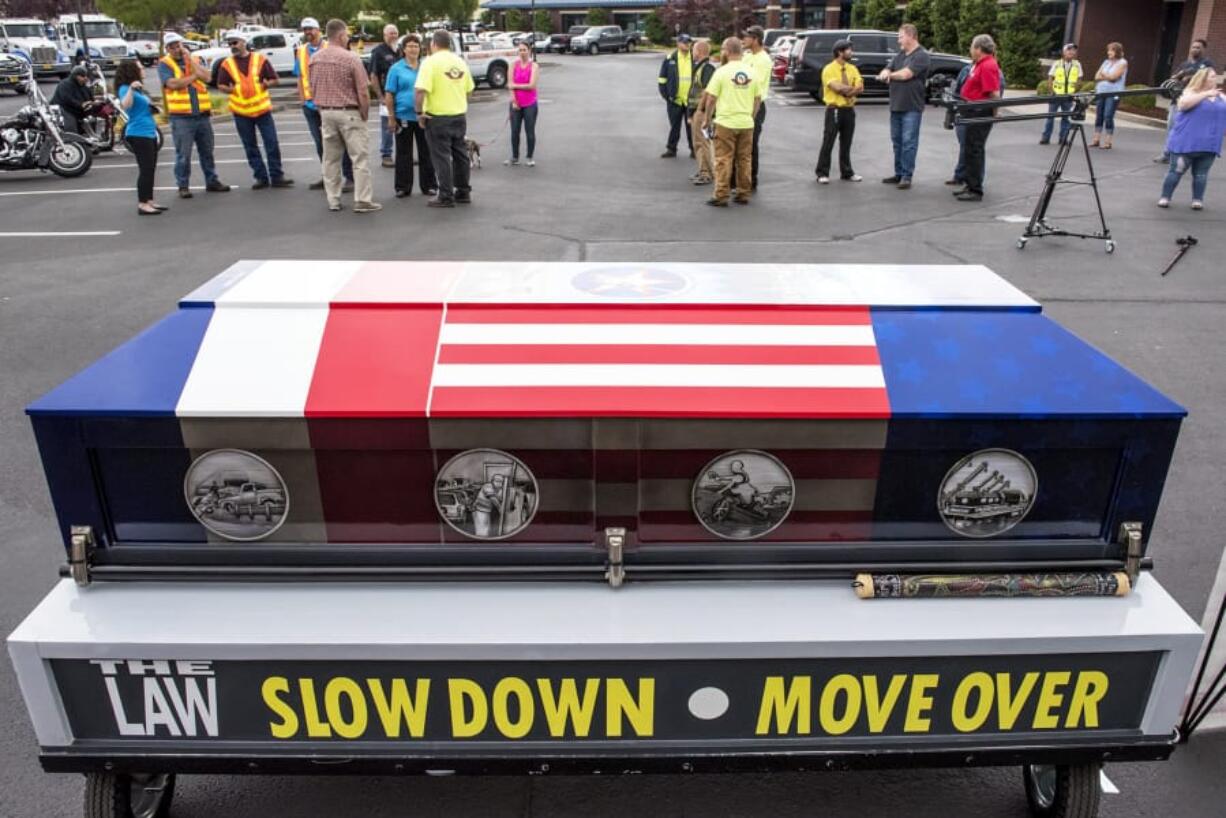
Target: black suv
(873, 51)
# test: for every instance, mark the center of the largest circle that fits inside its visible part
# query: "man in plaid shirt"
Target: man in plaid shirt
(339, 85)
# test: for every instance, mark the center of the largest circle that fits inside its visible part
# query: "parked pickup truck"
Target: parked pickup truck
(277, 46)
(560, 43)
(604, 38)
(489, 63)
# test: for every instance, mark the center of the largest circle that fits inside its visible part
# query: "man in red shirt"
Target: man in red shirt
(982, 84)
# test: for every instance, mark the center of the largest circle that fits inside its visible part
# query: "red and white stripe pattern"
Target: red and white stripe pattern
(659, 361)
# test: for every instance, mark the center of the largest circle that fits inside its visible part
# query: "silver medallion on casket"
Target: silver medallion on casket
(743, 495)
(236, 494)
(486, 494)
(987, 493)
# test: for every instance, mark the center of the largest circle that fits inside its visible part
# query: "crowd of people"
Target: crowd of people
(723, 113)
(718, 100)
(422, 102)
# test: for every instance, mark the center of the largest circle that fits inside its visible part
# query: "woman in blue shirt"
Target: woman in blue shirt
(1196, 136)
(402, 120)
(1112, 76)
(140, 134)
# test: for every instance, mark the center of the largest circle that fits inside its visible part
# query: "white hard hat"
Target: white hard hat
(234, 35)
(308, 22)
(171, 38)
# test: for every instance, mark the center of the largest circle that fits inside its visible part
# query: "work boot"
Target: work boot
(185, 193)
(217, 187)
(283, 181)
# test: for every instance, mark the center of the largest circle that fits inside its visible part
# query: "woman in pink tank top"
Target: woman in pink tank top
(523, 104)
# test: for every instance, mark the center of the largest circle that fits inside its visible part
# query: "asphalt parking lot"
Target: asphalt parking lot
(600, 192)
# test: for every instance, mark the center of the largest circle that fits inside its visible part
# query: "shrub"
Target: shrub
(975, 17)
(597, 17)
(1023, 41)
(656, 29)
(542, 21)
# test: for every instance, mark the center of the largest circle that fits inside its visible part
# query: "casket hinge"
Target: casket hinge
(615, 544)
(80, 552)
(1130, 538)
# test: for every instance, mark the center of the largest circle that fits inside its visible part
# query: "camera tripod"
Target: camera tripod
(1038, 226)
(972, 113)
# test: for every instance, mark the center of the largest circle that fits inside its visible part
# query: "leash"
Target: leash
(505, 123)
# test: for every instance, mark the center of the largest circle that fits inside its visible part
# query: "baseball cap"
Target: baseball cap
(684, 38)
(308, 22)
(839, 46)
(755, 32)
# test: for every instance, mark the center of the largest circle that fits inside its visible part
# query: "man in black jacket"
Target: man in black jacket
(676, 77)
(73, 95)
(704, 149)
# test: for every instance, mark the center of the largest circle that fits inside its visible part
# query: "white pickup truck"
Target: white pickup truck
(488, 63)
(277, 46)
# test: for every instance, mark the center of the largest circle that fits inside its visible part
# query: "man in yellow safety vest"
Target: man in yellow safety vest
(1065, 76)
(246, 76)
(187, 104)
(312, 41)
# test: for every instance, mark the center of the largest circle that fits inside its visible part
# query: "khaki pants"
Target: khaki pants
(345, 132)
(732, 146)
(704, 152)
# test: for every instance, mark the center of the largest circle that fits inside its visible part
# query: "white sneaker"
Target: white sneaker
(531, 163)
(509, 162)
(1164, 202)
(855, 177)
(823, 180)
(1198, 205)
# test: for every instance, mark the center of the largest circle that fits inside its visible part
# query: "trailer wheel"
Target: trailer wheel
(1063, 791)
(120, 795)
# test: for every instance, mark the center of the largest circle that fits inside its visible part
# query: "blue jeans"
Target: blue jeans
(1198, 163)
(386, 138)
(186, 131)
(1104, 114)
(527, 118)
(904, 134)
(247, 128)
(315, 126)
(1054, 107)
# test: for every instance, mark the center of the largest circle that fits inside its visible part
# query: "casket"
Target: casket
(338, 418)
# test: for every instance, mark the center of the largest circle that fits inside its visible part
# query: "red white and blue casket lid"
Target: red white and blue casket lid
(804, 403)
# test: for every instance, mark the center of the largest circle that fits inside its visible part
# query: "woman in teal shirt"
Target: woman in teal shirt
(402, 120)
(140, 134)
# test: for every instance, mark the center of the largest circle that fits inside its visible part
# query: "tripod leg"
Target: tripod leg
(1102, 219)
(1054, 175)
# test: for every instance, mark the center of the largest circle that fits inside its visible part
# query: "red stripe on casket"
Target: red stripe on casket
(650, 401)
(373, 362)
(655, 314)
(655, 354)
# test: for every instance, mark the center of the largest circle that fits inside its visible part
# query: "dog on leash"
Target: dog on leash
(474, 153)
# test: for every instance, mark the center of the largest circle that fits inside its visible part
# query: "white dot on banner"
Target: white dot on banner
(708, 703)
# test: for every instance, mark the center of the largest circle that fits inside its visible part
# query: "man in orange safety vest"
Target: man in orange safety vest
(246, 76)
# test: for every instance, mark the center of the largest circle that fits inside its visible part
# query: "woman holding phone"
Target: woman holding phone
(140, 134)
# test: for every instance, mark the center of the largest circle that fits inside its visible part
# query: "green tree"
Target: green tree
(152, 15)
(322, 10)
(487, 18)
(944, 22)
(218, 23)
(919, 14)
(975, 17)
(882, 14)
(543, 21)
(1023, 41)
(597, 17)
(515, 20)
(656, 29)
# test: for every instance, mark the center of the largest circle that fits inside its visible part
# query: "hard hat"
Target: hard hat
(308, 22)
(235, 35)
(171, 38)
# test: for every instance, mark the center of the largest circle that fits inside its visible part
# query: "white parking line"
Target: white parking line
(109, 166)
(36, 235)
(1106, 784)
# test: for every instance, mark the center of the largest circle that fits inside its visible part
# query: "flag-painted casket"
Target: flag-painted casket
(408, 416)
(323, 421)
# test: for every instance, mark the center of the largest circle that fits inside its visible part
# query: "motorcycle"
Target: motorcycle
(105, 119)
(34, 138)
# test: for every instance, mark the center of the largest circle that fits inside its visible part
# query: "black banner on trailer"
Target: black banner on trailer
(784, 702)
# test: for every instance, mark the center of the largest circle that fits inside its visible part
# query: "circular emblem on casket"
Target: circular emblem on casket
(630, 281)
(743, 495)
(236, 494)
(486, 494)
(987, 493)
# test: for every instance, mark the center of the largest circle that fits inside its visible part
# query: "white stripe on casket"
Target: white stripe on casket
(666, 375)
(257, 363)
(662, 334)
(290, 283)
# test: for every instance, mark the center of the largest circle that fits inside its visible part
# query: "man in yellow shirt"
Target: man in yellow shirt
(841, 84)
(731, 100)
(759, 59)
(441, 102)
